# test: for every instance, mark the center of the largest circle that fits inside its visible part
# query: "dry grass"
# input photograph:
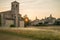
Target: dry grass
(43, 33)
(11, 37)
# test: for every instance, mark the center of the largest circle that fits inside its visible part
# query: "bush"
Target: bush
(12, 25)
(57, 23)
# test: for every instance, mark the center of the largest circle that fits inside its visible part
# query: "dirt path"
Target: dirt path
(11, 37)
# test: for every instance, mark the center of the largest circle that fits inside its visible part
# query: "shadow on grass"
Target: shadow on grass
(35, 35)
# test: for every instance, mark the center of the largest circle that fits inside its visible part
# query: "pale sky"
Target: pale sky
(33, 8)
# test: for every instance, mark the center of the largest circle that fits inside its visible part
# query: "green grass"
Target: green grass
(34, 34)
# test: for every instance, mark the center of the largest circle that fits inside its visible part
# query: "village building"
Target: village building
(50, 20)
(35, 22)
(12, 17)
(47, 21)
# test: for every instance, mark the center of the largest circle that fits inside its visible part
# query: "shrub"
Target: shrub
(12, 25)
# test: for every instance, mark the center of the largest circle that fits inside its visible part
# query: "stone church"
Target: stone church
(12, 17)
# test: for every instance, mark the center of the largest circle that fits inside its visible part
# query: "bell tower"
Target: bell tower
(15, 12)
(15, 7)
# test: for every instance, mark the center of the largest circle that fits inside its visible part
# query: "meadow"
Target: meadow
(32, 33)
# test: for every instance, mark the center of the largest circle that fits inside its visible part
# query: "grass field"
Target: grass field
(41, 33)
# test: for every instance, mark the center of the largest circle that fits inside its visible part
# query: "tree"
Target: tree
(57, 22)
(26, 20)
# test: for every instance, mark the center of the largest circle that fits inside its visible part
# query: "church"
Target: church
(12, 17)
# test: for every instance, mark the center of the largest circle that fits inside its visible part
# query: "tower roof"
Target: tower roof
(50, 15)
(15, 1)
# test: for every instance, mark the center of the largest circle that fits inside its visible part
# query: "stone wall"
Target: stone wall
(21, 23)
(8, 23)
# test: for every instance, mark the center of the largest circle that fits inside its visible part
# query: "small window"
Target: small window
(12, 5)
(16, 5)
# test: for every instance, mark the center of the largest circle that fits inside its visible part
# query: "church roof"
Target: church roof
(51, 17)
(5, 12)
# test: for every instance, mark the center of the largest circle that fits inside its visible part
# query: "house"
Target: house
(35, 22)
(47, 21)
(50, 20)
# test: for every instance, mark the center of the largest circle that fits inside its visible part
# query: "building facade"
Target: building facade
(50, 20)
(47, 21)
(12, 17)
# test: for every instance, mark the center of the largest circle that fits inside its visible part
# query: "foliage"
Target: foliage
(12, 25)
(57, 23)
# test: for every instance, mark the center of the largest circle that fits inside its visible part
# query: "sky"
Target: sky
(34, 8)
